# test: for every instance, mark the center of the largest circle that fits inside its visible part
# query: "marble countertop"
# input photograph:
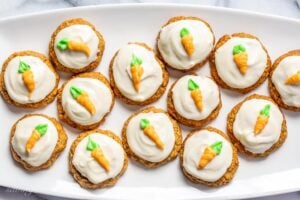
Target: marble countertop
(287, 8)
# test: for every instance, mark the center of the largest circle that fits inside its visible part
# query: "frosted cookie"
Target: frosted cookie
(97, 159)
(194, 100)
(151, 137)
(137, 76)
(207, 157)
(256, 126)
(76, 46)
(185, 43)
(240, 62)
(284, 81)
(28, 80)
(85, 100)
(36, 141)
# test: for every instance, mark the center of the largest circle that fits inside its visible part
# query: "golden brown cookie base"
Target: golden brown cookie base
(47, 100)
(189, 122)
(172, 155)
(64, 68)
(60, 145)
(154, 97)
(83, 181)
(227, 177)
(62, 114)
(214, 72)
(175, 19)
(272, 89)
(231, 118)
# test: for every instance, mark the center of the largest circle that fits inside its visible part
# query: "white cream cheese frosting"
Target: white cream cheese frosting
(193, 150)
(43, 149)
(89, 167)
(75, 59)
(99, 94)
(142, 146)
(183, 102)
(290, 94)
(172, 50)
(245, 119)
(44, 78)
(151, 79)
(229, 72)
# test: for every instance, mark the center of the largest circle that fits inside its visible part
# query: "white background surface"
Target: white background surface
(14, 7)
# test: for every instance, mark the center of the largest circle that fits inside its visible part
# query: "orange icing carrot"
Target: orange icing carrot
(150, 132)
(240, 58)
(38, 132)
(294, 79)
(137, 71)
(187, 41)
(262, 119)
(196, 94)
(73, 45)
(210, 152)
(83, 99)
(27, 76)
(97, 154)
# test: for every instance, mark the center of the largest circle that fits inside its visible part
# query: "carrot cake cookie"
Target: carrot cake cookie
(137, 76)
(85, 100)
(256, 126)
(36, 141)
(284, 81)
(207, 157)
(194, 100)
(185, 43)
(151, 137)
(240, 62)
(97, 159)
(28, 80)
(76, 46)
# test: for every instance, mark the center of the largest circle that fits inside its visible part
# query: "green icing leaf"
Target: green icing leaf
(75, 91)
(144, 123)
(266, 110)
(238, 49)
(42, 129)
(217, 146)
(192, 85)
(135, 60)
(63, 44)
(23, 67)
(184, 32)
(92, 145)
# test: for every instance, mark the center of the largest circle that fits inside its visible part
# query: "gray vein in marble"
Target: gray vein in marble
(289, 8)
